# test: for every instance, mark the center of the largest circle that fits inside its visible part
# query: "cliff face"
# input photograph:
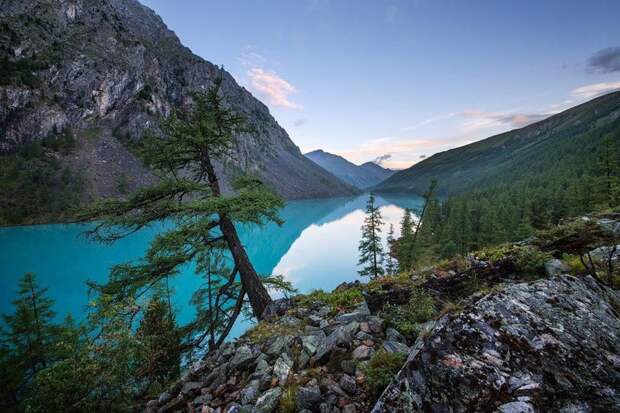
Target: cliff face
(111, 69)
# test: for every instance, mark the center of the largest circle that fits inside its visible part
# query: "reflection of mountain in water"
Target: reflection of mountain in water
(268, 244)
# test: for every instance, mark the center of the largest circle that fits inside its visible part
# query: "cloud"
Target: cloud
(422, 156)
(478, 119)
(382, 158)
(606, 60)
(596, 89)
(404, 151)
(300, 122)
(273, 88)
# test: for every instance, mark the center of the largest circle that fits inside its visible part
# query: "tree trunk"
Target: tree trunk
(253, 286)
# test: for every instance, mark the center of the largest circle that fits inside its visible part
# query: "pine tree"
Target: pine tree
(189, 195)
(406, 225)
(608, 179)
(160, 339)
(30, 332)
(390, 264)
(27, 342)
(370, 247)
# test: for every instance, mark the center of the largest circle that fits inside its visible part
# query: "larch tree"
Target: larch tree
(390, 262)
(370, 247)
(188, 195)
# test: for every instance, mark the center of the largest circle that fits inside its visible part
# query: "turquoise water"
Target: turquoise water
(316, 247)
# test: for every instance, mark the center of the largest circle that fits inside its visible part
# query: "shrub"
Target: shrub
(343, 298)
(380, 370)
(406, 318)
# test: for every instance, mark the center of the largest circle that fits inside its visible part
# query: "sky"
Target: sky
(396, 81)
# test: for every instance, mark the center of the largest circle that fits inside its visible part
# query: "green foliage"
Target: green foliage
(343, 298)
(126, 352)
(33, 184)
(27, 340)
(370, 247)
(407, 318)
(203, 219)
(381, 369)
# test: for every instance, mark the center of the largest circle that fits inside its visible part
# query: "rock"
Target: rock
(281, 344)
(191, 387)
(362, 352)
(611, 226)
(601, 254)
(268, 401)
(555, 267)
(516, 407)
(263, 367)
(395, 347)
(347, 383)
(308, 397)
(202, 399)
(282, 368)
(349, 408)
(393, 335)
(348, 366)
(250, 392)
(375, 324)
(361, 313)
(310, 344)
(339, 337)
(532, 346)
(242, 358)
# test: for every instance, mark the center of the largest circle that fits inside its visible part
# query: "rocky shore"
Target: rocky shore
(520, 328)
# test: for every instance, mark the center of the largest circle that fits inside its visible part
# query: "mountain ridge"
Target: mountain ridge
(499, 158)
(110, 70)
(361, 176)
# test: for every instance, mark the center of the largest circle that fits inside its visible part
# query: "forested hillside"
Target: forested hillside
(560, 147)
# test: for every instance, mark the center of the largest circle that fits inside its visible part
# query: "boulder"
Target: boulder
(550, 345)
(242, 358)
(308, 397)
(339, 337)
(282, 368)
(268, 401)
(555, 267)
(395, 347)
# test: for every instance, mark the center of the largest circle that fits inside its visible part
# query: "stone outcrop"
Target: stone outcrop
(316, 357)
(111, 69)
(550, 345)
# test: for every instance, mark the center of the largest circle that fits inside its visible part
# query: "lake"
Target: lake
(315, 248)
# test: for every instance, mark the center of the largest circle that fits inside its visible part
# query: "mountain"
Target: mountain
(362, 176)
(95, 74)
(568, 140)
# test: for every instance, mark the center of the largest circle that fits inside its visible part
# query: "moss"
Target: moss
(265, 330)
(381, 369)
(528, 259)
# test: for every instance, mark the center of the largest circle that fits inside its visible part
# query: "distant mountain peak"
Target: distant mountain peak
(361, 176)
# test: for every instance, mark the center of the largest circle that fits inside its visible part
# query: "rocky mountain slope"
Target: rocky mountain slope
(103, 72)
(361, 176)
(510, 330)
(568, 139)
